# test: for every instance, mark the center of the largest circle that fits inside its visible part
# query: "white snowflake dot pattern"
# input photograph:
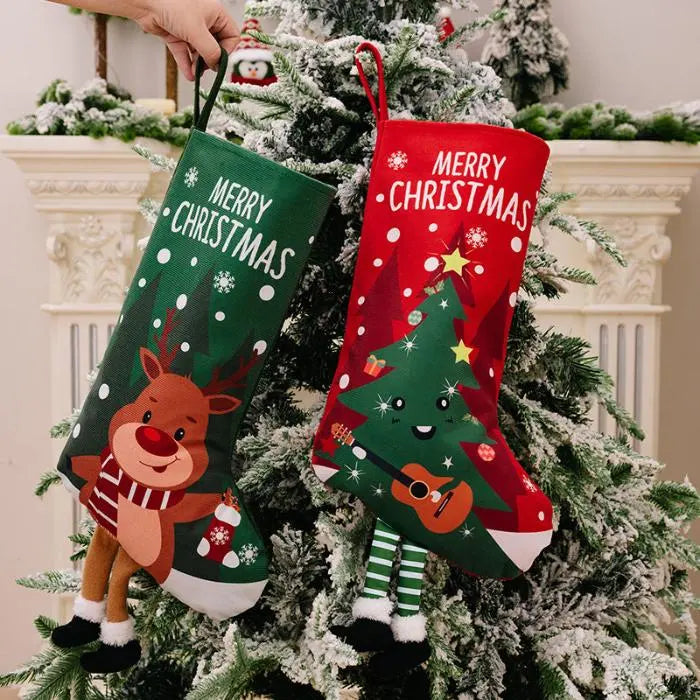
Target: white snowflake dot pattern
(219, 535)
(248, 554)
(476, 237)
(224, 282)
(397, 160)
(191, 177)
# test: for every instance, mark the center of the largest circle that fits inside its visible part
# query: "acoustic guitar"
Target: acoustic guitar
(440, 511)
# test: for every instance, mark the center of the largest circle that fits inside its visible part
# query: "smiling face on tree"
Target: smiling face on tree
(416, 401)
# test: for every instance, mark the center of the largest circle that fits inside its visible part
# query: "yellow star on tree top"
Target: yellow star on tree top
(454, 262)
(462, 352)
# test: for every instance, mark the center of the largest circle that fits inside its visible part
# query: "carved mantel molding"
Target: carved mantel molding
(631, 189)
(88, 191)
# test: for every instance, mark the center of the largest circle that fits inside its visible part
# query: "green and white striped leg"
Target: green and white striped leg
(374, 602)
(408, 624)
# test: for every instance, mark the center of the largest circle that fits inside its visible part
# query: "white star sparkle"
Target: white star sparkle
(409, 344)
(444, 304)
(447, 462)
(378, 490)
(466, 531)
(450, 389)
(354, 473)
(383, 405)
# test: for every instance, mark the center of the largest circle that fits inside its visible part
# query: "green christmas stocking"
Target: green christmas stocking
(149, 455)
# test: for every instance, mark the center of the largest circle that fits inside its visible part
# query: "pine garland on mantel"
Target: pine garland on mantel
(598, 121)
(99, 109)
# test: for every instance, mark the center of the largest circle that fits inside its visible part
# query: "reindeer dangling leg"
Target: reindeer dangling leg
(89, 606)
(119, 649)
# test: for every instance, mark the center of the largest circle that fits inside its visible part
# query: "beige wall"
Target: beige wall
(639, 52)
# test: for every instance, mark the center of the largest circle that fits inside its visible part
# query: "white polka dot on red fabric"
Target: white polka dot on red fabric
(393, 235)
(360, 301)
(516, 244)
(344, 381)
(513, 299)
(431, 264)
(540, 515)
(407, 292)
(432, 228)
(479, 269)
(377, 262)
(361, 330)
(380, 197)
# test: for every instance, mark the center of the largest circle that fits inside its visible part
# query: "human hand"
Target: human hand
(189, 28)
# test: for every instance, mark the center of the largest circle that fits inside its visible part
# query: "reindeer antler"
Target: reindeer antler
(165, 356)
(233, 381)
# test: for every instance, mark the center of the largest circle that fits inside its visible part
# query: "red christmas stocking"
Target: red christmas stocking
(410, 425)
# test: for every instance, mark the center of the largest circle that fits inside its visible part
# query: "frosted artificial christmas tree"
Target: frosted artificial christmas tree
(528, 52)
(588, 620)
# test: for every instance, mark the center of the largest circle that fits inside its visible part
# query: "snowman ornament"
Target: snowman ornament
(251, 62)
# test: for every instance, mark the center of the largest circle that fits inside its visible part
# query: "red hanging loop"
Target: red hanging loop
(382, 112)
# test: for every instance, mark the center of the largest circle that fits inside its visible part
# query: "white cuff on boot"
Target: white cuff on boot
(117, 634)
(89, 610)
(378, 609)
(408, 629)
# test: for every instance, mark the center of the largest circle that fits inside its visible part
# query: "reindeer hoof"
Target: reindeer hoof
(75, 633)
(110, 659)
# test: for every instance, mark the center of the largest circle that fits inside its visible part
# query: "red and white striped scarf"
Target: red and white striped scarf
(112, 482)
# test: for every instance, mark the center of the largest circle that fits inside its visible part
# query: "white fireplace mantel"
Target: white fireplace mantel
(631, 188)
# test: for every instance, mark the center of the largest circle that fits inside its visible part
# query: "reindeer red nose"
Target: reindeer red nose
(155, 441)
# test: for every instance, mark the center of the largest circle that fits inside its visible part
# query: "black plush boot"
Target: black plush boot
(365, 635)
(371, 628)
(119, 649)
(398, 659)
(84, 627)
(76, 633)
(410, 648)
(110, 659)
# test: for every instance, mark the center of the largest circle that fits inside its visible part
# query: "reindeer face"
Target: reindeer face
(159, 439)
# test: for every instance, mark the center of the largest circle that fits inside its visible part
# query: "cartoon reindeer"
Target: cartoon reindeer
(136, 492)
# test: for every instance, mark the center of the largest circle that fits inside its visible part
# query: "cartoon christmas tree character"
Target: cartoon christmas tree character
(407, 463)
(251, 62)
